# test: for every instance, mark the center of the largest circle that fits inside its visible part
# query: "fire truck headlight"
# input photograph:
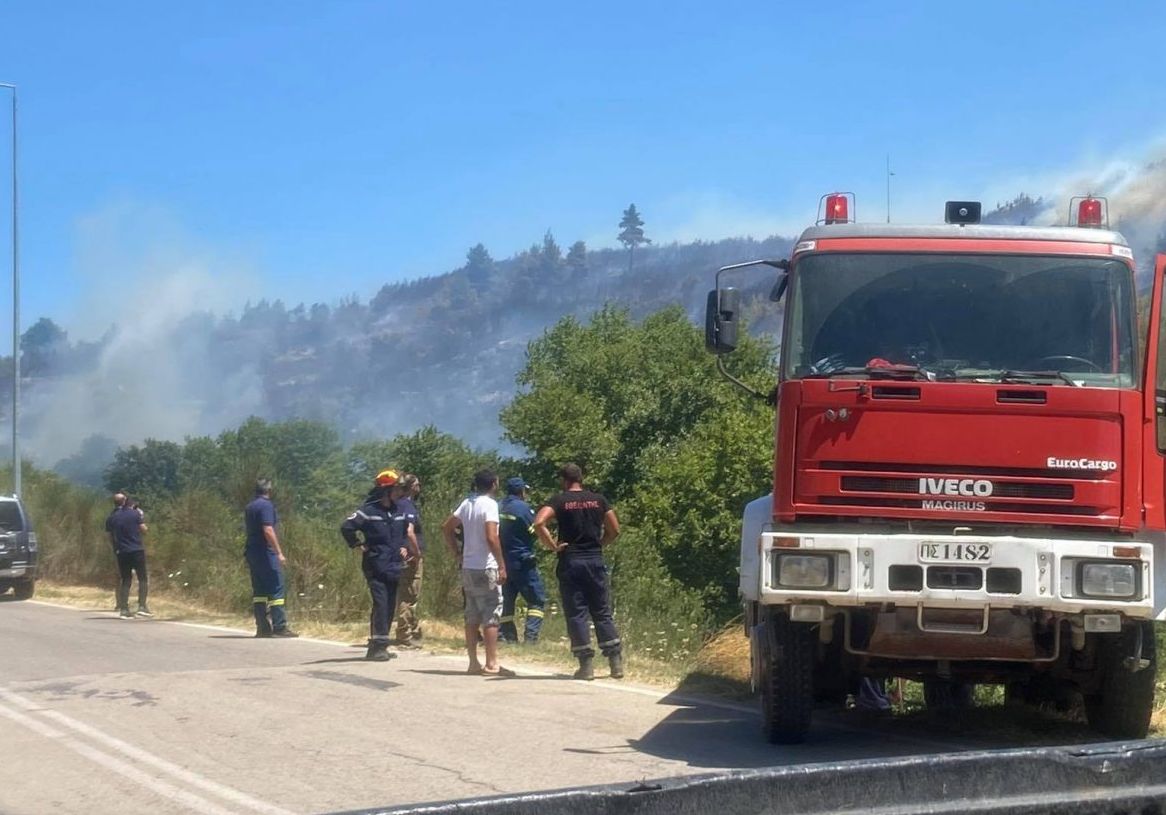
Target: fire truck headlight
(803, 571)
(1118, 580)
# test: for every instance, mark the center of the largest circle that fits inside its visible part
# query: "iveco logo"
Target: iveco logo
(969, 487)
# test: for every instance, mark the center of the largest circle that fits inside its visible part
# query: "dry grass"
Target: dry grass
(726, 655)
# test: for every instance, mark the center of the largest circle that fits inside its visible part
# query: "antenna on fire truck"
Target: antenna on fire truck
(889, 174)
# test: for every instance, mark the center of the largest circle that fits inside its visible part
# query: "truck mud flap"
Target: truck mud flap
(1106, 779)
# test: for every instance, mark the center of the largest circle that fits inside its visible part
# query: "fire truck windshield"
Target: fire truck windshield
(1059, 320)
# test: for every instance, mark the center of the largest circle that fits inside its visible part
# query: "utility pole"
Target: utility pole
(16, 486)
(889, 174)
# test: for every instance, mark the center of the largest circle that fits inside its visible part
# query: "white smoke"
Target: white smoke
(148, 290)
(1135, 189)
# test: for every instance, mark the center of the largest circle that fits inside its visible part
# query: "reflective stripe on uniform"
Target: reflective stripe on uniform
(609, 643)
(579, 648)
(258, 599)
(507, 516)
(279, 602)
(535, 612)
(509, 618)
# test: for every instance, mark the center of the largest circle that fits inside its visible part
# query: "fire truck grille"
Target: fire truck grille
(990, 505)
(910, 486)
(949, 470)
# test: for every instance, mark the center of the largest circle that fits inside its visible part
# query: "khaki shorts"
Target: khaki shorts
(483, 596)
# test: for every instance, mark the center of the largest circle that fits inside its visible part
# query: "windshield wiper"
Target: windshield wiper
(1029, 376)
(895, 372)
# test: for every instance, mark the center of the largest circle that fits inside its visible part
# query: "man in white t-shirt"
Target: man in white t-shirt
(483, 570)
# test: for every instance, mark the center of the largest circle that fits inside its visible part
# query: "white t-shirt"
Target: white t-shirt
(475, 513)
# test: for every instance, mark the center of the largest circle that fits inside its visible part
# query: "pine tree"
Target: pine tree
(479, 266)
(632, 232)
(552, 255)
(577, 258)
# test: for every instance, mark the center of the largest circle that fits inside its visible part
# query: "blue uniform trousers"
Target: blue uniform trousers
(383, 588)
(583, 583)
(523, 579)
(268, 593)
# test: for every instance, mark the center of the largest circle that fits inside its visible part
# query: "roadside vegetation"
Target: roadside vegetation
(638, 404)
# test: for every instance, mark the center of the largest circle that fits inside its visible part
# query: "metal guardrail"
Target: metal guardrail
(1109, 779)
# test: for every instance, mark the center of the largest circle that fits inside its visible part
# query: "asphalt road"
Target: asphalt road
(101, 715)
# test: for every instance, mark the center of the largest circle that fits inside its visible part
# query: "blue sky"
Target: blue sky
(316, 150)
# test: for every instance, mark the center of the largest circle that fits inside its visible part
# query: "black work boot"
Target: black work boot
(616, 662)
(379, 652)
(586, 668)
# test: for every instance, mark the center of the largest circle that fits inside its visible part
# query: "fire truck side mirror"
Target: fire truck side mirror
(720, 321)
(778, 290)
(1160, 417)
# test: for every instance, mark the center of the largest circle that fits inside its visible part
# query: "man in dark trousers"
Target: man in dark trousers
(126, 527)
(266, 560)
(516, 530)
(381, 530)
(586, 525)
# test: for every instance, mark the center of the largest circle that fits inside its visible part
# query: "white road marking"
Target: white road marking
(194, 802)
(141, 756)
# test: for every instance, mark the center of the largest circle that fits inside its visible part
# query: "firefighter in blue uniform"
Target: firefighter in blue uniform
(516, 532)
(265, 559)
(383, 534)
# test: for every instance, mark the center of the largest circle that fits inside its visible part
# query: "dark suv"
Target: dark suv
(18, 550)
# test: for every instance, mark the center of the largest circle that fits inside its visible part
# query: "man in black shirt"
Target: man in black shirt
(125, 526)
(586, 524)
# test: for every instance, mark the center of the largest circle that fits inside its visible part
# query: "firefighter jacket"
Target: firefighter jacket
(384, 533)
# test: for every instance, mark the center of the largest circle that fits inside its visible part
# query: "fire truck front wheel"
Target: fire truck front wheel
(787, 687)
(1121, 704)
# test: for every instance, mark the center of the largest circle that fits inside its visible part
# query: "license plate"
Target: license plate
(955, 552)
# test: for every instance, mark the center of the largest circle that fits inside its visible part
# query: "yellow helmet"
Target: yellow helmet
(387, 478)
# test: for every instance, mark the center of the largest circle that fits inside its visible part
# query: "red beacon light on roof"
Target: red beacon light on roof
(835, 208)
(1089, 211)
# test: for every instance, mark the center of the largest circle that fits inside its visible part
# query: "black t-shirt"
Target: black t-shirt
(579, 514)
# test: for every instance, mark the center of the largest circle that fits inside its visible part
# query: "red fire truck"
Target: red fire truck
(969, 470)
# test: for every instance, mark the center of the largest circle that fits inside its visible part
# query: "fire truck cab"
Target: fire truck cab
(968, 471)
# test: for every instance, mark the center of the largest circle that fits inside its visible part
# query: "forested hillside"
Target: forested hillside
(440, 350)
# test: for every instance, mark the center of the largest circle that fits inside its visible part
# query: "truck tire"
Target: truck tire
(1124, 701)
(787, 690)
(24, 589)
(948, 694)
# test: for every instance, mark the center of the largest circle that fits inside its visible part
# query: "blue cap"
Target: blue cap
(516, 485)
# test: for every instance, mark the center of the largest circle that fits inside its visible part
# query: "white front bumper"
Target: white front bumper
(862, 572)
